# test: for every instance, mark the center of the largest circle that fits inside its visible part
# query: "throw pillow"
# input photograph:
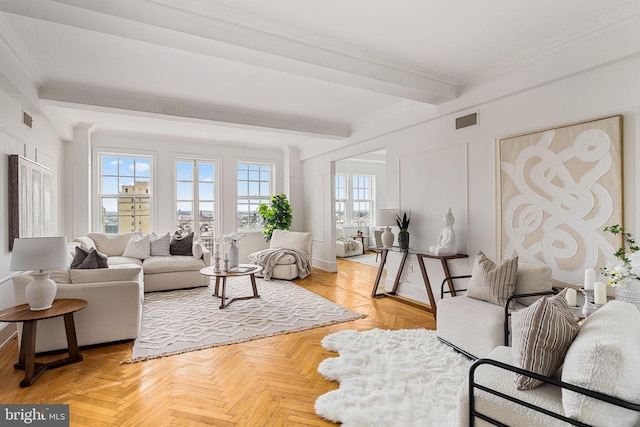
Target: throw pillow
(89, 258)
(160, 244)
(139, 246)
(181, 244)
(197, 250)
(492, 281)
(110, 244)
(542, 334)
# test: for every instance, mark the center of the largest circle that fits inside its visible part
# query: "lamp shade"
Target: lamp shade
(39, 253)
(386, 217)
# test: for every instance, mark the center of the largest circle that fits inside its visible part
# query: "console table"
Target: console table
(420, 255)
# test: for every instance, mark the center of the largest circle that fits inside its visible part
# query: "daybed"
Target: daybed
(597, 385)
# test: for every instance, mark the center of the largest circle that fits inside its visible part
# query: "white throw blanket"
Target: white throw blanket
(349, 244)
(268, 259)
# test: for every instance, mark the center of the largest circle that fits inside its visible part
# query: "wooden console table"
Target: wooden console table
(420, 255)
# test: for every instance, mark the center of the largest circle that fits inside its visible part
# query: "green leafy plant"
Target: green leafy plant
(627, 266)
(275, 217)
(403, 222)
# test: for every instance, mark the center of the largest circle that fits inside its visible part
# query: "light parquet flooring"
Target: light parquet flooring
(267, 382)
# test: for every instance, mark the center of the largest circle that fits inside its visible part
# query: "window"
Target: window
(255, 186)
(196, 198)
(125, 196)
(354, 203)
(341, 199)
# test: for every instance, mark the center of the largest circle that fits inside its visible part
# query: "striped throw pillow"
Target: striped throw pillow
(492, 281)
(542, 334)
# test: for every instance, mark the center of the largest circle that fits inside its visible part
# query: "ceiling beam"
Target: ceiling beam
(208, 29)
(70, 95)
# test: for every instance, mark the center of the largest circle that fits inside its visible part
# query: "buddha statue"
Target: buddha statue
(447, 240)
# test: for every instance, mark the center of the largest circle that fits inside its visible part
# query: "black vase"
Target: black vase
(403, 240)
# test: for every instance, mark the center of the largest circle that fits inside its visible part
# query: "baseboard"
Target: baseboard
(7, 332)
(329, 266)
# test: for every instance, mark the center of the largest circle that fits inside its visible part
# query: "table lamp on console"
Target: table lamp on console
(41, 254)
(386, 218)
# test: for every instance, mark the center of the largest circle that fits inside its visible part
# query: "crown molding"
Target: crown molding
(19, 52)
(71, 95)
(615, 18)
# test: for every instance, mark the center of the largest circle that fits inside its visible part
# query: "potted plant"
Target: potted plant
(403, 223)
(275, 217)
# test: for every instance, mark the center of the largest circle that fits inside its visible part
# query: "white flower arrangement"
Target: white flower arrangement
(627, 265)
(232, 238)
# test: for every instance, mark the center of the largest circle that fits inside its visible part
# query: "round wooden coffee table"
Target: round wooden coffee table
(242, 270)
(26, 358)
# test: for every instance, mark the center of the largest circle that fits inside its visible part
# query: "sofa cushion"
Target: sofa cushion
(120, 273)
(88, 259)
(162, 264)
(197, 249)
(160, 244)
(110, 244)
(291, 240)
(492, 281)
(119, 260)
(542, 334)
(532, 278)
(139, 246)
(181, 244)
(605, 357)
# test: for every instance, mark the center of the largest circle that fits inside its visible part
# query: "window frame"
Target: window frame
(262, 199)
(351, 200)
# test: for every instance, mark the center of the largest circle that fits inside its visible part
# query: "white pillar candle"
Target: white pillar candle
(600, 293)
(226, 256)
(572, 297)
(217, 248)
(589, 279)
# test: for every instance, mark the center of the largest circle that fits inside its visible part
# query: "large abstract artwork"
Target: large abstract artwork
(30, 199)
(558, 189)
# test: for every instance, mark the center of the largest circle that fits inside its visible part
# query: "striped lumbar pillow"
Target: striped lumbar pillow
(492, 281)
(542, 334)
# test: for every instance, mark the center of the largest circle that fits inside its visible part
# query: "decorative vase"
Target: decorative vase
(403, 240)
(387, 238)
(629, 293)
(234, 255)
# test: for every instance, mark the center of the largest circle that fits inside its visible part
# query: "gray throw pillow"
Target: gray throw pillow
(181, 244)
(89, 258)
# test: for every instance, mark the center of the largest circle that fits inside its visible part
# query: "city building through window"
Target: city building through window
(196, 199)
(255, 186)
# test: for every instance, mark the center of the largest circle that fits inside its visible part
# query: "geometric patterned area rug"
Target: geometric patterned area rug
(391, 378)
(180, 321)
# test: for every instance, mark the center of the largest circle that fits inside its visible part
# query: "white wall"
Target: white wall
(601, 92)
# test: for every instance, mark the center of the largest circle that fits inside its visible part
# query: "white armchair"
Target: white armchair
(345, 246)
(287, 266)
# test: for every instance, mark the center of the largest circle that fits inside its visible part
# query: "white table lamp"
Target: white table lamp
(387, 218)
(40, 253)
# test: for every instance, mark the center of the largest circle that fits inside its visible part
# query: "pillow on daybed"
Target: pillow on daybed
(532, 278)
(492, 281)
(139, 246)
(542, 334)
(605, 357)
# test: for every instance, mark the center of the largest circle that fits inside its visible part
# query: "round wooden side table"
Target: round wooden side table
(26, 359)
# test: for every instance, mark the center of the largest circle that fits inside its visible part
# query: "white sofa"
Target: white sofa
(604, 358)
(161, 273)
(113, 312)
(346, 249)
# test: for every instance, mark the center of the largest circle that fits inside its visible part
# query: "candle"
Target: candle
(217, 250)
(572, 297)
(600, 293)
(226, 256)
(589, 279)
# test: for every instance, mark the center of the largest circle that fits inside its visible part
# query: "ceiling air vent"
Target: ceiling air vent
(27, 120)
(466, 121)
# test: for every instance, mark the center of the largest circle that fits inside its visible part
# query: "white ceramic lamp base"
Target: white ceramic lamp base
(387, 238)
(41, 292)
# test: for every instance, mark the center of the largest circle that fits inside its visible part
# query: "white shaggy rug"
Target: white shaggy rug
(185, 320)
(391, 378)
